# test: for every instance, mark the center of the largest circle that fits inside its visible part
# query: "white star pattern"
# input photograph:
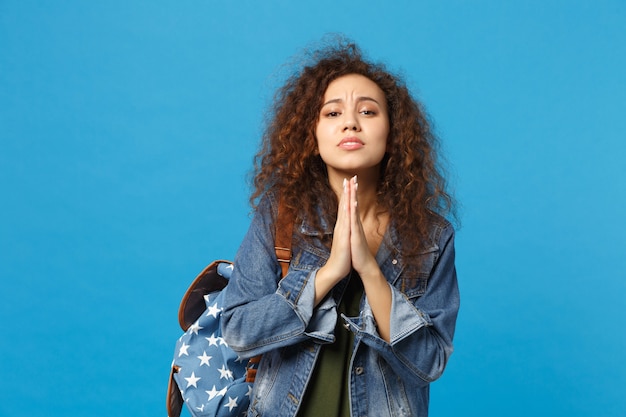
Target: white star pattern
(204, 359)
(232, 403)
(213, 310)
(183, 350)
(225, 373)
(194, 328)
(214, 393)
(192, 380)
(212, 340)
(202, 344)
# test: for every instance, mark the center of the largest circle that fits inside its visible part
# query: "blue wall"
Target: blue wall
(127, 130)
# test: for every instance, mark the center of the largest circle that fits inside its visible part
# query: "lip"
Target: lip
(351, 143)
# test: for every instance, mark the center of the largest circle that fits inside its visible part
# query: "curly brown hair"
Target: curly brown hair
(412, 187)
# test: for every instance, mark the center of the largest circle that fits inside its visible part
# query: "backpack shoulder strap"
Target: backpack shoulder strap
(284, 233)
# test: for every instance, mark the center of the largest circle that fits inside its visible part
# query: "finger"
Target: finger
(342, 226)
(339, 261)
(355, 219)
(359, 248)
(344, 203)
(346, 194)
(357, 234)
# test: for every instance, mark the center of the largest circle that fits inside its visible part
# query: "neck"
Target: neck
(368, 186)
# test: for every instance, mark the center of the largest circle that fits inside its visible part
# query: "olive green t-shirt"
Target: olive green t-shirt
(327, 393)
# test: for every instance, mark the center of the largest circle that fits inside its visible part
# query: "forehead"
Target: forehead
(354, 85)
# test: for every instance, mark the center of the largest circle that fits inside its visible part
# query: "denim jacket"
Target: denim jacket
(264, 314)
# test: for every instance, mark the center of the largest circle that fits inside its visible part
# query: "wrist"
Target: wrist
(371, 274)
(325, 280)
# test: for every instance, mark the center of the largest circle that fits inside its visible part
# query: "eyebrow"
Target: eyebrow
(359, 99)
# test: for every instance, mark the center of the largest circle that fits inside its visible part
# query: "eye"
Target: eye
(332, 114)
(368, 112)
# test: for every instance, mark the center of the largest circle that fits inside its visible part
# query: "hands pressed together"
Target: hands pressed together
(349, 250)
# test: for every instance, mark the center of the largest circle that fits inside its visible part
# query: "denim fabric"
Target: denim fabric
(266, 315)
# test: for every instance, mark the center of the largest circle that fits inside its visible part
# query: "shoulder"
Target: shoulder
(440, 232)
(267, 207)
(439, 227)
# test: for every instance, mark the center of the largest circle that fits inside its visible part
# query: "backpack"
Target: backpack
(206, 374)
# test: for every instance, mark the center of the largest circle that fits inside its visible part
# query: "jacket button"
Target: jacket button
(395, 261)
(358, 370)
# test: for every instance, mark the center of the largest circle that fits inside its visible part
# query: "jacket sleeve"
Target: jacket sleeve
(262, 311)
(422, 329)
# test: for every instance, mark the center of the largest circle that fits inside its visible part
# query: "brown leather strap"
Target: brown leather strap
(175, 401)
(284, 233)
(251, 368)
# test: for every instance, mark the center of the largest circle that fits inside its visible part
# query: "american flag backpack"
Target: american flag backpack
(206, 374)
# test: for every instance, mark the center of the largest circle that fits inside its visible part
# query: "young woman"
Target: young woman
(363, 321)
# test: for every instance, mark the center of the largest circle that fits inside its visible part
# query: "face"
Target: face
(353, 126)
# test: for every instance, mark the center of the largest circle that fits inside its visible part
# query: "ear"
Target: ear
(313, 138)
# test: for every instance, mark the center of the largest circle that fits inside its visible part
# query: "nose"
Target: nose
(351, 123)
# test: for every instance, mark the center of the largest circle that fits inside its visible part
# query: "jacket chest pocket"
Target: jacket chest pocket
(414, 278)
(307, 257)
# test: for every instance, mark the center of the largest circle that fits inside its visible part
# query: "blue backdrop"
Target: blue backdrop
(128, 127)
